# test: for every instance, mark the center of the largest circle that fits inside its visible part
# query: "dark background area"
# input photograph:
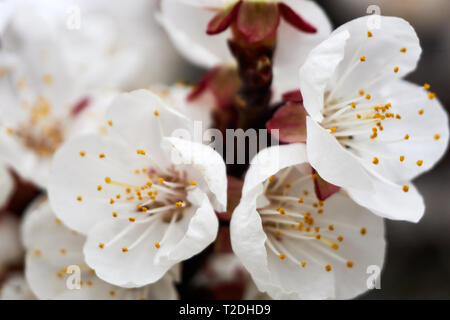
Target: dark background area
(418, 255)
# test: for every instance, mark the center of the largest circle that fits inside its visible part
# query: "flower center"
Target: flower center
(161, 197)
(295, 213)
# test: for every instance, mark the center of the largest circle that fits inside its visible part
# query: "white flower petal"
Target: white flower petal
(389, 200)
(318, 69)
(88, 172)
(423, 119)
(52, 249)
(186, 25)
(351, 240)
(382, 52)
(142, 119)
(201, 231)
(269, 161)
(204, 165)
(333, 163)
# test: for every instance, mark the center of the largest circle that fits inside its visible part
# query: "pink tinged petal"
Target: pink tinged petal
(293, 96)
(332, 161)
(80, 106)
(290, 120)
(323, 189)
(295, 19)
(223, 82)
(223, 19)
(258, 21)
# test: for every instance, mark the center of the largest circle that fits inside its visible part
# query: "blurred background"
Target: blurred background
(418, 255)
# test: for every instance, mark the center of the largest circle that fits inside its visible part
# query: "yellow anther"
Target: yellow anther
(111, 201)
(303, 264)
(402, 158)
(334, 246)
(58, 221)
(358, 116)
(282, 256)
(192, 183)
(101, 155)
(361, 92)
(318, 236)
(305, 192)
(333, 129)
(431, 95)
(114, 214)
(375, 160)
(353, 104)
(131, 219)
(437, 136)
(281, 211)
(179, 204)
(419, 162)
(426, 86)
(271, 178)
(331, 227)
(396, 69)
(363, 231)
(368, 96)
(327, 268)
(403, 50)
(300, 200)
(125, 249)
(340, 238)
(101, 245)
(80, 198)
(320, 211)
(160, 180)
(141, 152)
(63, 251)
(287, 186)
(398, 116)
(82, 153)
(406, 137)
(108, 180)
(89, 283)
(156, 113)
(369, 34)
(349, 264)
(421, 111)
(112, 293)
(157, 245)
(362, 59)
(110, 123)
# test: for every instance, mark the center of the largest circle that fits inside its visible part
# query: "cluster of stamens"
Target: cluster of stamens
(162, 196)
(300, 217)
